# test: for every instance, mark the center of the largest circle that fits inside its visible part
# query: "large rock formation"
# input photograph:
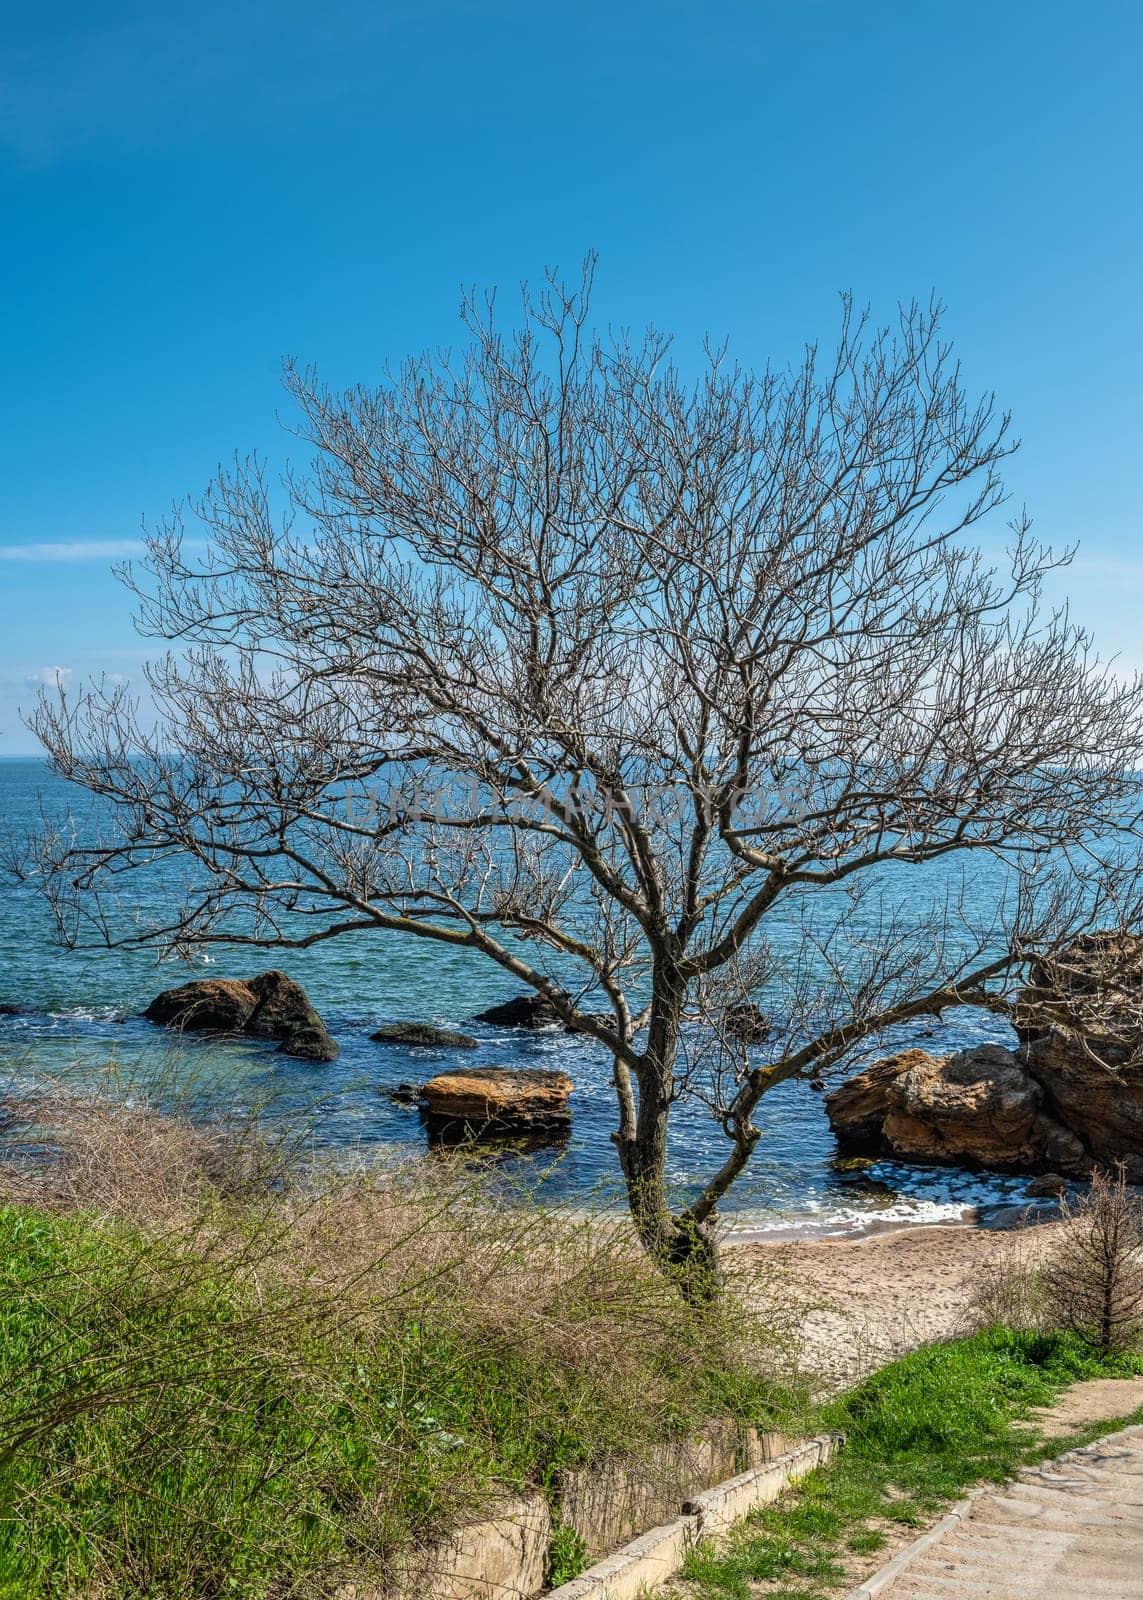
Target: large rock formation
(978, 1108)
(1100, 1103)
(483, 1102)
(268, 1006)
(1070, 1097)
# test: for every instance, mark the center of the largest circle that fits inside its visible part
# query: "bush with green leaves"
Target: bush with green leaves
(275, 1392)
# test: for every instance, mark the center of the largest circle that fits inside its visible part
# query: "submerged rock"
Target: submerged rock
(9, 1009)
(1048, 1187)
(525, 1011)
(491, 1102)
(310, 1042)
(423, 1036)
(403, 1094)
(746, 1022)
(267, 1006)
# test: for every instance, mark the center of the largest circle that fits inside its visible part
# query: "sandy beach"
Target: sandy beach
(853, 1304)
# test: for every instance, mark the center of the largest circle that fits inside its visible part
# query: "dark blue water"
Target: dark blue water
(82, 1021)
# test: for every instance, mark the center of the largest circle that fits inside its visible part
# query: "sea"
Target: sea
(79, 1023)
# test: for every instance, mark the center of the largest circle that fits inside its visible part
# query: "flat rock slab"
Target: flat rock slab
(1071, 1529)
(482, 1102)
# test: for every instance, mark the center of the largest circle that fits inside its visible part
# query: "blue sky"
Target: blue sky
(192, 192)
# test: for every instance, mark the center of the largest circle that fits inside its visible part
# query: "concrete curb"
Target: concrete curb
(903, 1560)
(658, 1554)
(640, 1565)
(727, 1503)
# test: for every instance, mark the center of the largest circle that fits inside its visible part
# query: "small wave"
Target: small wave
(87, 1014)
(849, 1222)
(916, 1197)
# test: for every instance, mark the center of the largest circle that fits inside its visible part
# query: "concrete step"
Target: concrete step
(979, 1577)
(1071, 1529)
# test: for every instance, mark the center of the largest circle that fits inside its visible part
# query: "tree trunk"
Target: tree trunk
(680, 1246)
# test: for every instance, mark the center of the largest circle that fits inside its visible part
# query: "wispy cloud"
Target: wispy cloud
(48, 678)
(72, 551)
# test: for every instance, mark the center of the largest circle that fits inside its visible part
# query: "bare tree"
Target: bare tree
(608, 672)
(1093, 1278)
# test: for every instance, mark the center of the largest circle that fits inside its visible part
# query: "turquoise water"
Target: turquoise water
(80, 1014)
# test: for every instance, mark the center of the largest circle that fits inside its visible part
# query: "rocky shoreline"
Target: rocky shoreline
(492, 1102)
(1064, 1099)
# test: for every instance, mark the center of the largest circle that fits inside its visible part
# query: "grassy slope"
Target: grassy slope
(919, 1432)
(181, 1419)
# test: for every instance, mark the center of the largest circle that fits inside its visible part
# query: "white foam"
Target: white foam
(911, 1197)
(850, 1221)
(87, 1014)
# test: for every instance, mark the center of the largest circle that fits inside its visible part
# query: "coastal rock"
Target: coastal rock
(978, 1108)
(746, 1022)
(268, 1006)
(423, 1036)
(1080, 1021)
(491, 1102)
(1048, 1187)
(1070, 1098)
(525, 1011)
(1093, 989)
(207, 1005)
(1102, 1104)
(283, 1011)
(310, 1042)
(402, 1094)
(858, 1108)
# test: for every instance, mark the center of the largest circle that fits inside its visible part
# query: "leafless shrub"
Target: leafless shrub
(65, 1148)
(1093, 1278)
(1009, 1290)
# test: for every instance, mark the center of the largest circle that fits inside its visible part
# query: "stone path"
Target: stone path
(1071, 1529)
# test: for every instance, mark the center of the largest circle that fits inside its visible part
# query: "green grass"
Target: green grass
(192, 1414)
(919, 1433)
